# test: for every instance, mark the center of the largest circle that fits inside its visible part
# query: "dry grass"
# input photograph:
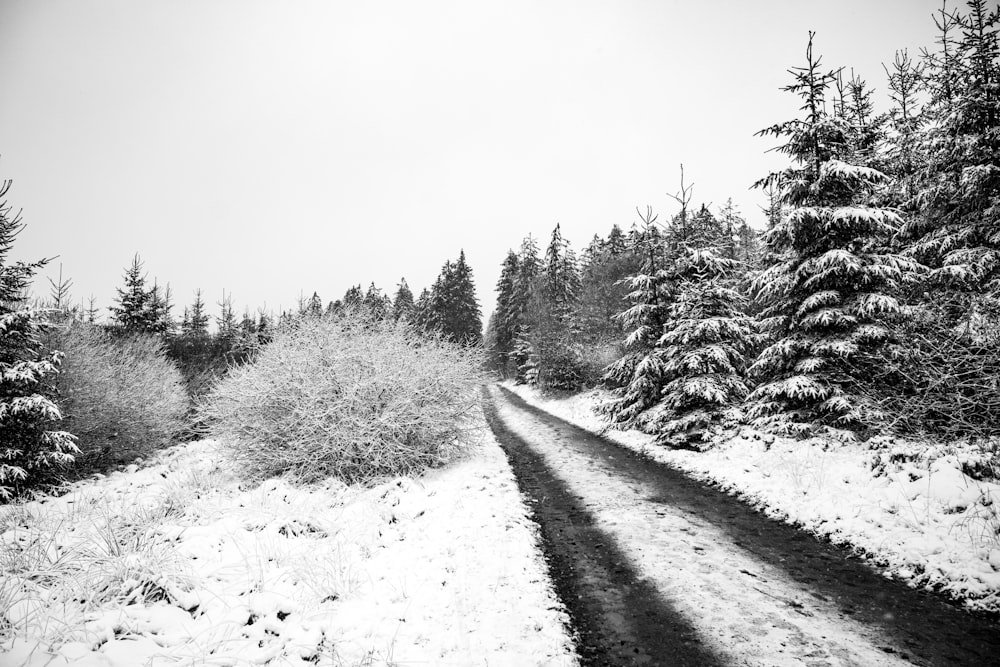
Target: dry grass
(347, 397)
(120, 396)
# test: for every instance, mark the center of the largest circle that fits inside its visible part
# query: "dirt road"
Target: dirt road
(658, 569)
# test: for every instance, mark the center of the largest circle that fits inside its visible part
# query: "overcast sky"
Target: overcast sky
(273, 148)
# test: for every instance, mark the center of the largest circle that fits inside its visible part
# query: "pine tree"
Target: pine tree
(828, 297)
(376, 303)
(506, 315)
(353, 298)
(59, 295)
(903, 156)
(227, 332)
(528, 270)
(90, 312)
(702, 351)
(637, 378)
(136, 310)
(28, 446)
(606, 264)
(423, 315)
(956, 213)
(454, 308)
(314, 306)
(403, 307)
(553, 358)
(196, 324)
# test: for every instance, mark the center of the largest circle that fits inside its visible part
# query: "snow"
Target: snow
(179, 563)
(908, 507)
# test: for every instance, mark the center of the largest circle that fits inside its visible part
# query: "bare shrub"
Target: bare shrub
(940, 381)
(119, 395)
(347, 397)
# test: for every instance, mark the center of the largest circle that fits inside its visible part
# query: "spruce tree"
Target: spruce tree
(828, 296)
(377, 304)
(136, 311)
(703, 350)
(196, 325)
(506, 315)
(227, 333)
(553, 357)
(28, 445)
(638, 377)
(423, 316)
(529, 266)
(403, 307)
(956, 213)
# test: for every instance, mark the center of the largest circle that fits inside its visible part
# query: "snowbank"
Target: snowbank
(918, 516)
(175, 563)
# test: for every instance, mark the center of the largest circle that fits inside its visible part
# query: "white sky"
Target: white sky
(273, 148)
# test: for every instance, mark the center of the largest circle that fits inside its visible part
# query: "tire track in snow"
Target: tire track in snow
(725, 585)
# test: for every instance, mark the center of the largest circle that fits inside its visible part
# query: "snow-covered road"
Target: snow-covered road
(730, 587)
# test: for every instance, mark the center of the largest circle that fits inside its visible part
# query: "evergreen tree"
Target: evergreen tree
(956, 212)
(228, 331)
(553, 357)
(59, 295)
(505, 318)
(379, 305)
(703, 349)
(28, 446)
(454, 308)
(606, 265)
(314, 306)
(90, 312)
(403, 307)
(195, 325)
(353, 297)
(827, 298)
(529, 266)
(136, 311)
(423, 315)
(639, 376)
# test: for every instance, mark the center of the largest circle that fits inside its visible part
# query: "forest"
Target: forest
(868, 305)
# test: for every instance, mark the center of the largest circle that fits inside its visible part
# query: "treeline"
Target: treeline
(449, 307)
(83, 395)
(871, 303)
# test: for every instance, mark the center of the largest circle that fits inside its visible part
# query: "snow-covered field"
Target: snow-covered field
(919, 516)
(177, 563)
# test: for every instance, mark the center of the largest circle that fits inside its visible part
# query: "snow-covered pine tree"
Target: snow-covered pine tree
(554, 360)
(197, 320)
(135, 311)
(602, 291)
(376, 303)
(828, 296)
(228, 332)
(464, 313)
(957, 206)
(28, 446)
(902, 152)
(506, 313)
(403, 307)
(422, 311)
(637, 378)
(703, 351)
(524, 286)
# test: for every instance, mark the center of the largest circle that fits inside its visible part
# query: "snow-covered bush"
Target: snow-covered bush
(348, 397)
(120, 395)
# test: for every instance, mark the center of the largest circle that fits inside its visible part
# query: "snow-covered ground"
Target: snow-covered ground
(178, 563)
(910, 509)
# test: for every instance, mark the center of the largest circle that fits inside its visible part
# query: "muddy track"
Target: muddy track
(622, 617)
